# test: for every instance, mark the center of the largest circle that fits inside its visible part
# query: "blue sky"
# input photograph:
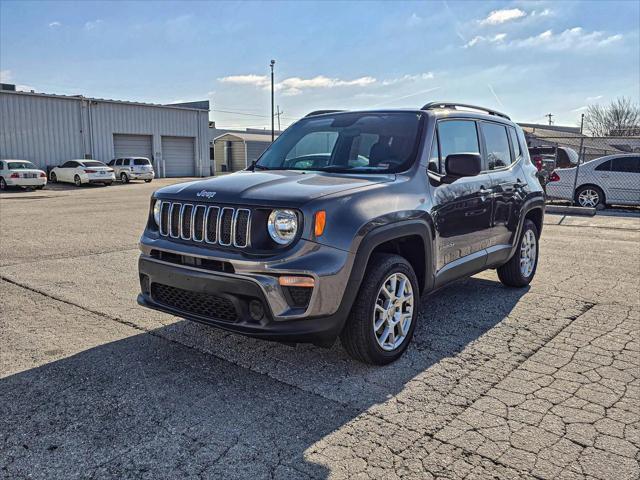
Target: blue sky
(525, 58)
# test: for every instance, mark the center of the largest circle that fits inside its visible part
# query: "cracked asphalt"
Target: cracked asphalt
(542, 382)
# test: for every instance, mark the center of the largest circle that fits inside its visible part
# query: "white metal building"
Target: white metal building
(50, 129)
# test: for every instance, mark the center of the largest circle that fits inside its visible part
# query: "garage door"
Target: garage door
(179, 156)
(132, 146)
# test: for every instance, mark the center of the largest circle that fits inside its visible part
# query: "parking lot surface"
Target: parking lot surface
(542, 382)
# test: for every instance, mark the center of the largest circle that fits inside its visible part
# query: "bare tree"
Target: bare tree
(620, 118)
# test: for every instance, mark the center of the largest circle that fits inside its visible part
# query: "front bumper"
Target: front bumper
(240, 290)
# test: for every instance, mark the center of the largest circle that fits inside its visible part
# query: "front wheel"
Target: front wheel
(383, 317)
(519, 271)
(77, 180)
(124, 178)
(53, 178)
(147, 181)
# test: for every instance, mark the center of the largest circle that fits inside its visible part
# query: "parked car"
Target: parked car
(80, 172)
(132, 168)
(21, 173)
(614, 179)
(548, 158)
(395, 204)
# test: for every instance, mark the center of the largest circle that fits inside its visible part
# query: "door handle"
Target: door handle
(484, 191)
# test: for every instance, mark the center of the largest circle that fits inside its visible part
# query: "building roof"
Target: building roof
(248, 137)
(104, 100)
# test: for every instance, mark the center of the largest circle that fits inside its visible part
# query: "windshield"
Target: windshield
(93, 164)
(347, 142)
(21, 165)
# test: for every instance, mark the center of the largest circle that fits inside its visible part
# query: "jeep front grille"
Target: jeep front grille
(225, 226)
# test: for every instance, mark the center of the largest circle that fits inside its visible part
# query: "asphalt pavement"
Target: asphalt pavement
(542, 382)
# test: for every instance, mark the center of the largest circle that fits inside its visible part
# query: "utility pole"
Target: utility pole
(273, 62)
(278, 113)
(549, 116)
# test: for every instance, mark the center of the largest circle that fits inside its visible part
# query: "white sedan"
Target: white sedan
(83, 171)
(21, 173)
(614, 179)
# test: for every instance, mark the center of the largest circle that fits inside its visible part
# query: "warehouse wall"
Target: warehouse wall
(49, 130)
(44, 131)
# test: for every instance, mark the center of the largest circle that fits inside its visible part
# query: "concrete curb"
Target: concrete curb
(566, 210)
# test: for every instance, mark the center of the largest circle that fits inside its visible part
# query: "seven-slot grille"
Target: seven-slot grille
(225, 226)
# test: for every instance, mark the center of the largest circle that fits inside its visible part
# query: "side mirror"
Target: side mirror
(463, 165)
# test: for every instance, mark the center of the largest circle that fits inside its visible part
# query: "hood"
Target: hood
(282, 188)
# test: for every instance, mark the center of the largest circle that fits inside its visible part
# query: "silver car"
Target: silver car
(614, 179)
(132, 168)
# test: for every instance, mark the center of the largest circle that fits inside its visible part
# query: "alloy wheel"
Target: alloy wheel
(589, 198)
(528, 253)
(393, 312)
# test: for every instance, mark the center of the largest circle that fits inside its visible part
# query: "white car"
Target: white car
(614, 179)
(132, 168)
(81, 172)
(21, 173)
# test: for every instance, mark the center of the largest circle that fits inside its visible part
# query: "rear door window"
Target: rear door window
(604, 166)
(626, 164)
(497, 144)
(125, 162)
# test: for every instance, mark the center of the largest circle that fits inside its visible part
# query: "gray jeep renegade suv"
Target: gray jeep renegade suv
(344, 222)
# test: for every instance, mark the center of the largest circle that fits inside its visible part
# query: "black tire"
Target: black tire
(358, 336)
(77, 180)
(599, 203)
(3, 184)
(147, 181)
(39, 187)
(106, 184)
(53, 178)
(124, 178)
(510, 274)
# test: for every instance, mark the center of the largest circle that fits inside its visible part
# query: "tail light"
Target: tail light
(14, 175)
(537, 161)
(90, 171)
(554, 177)
(43, 175)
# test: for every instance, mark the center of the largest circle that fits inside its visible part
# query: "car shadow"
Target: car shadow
(152, 406)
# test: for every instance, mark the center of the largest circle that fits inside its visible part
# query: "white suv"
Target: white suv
(132, 168)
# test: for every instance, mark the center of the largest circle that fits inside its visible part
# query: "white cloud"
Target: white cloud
(544, 13)
(5, 76)
(414, 20)
(408, 78)
(295, 85)
(92, 24)
(55, 24)
(594, 98)
(496, 17)
(497, 38)
(580, 109)
(571, 39)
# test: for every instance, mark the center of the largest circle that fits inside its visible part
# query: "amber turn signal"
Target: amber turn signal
(290, 281)
(320, 222)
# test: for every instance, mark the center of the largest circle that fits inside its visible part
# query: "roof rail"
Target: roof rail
(321, 112)
(454, 105)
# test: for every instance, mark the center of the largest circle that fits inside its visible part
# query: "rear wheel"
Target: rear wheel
(106, 184)
(147, 181)
(39, 187)
(77, 180)
(53, 178)
(124, 178)
(590, 196)
(3, 184)
(383, 317)
(519, 271)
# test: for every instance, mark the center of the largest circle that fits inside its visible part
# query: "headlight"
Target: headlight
(283, 226)
(156, 211)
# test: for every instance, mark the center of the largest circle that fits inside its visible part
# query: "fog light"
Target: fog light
(256, 310)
